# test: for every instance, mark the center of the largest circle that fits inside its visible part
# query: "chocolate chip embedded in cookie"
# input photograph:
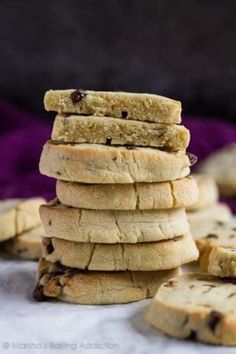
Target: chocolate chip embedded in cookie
(77, 95)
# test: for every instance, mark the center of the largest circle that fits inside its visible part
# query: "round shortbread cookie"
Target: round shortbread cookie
(163, 195)
(90, 288)
(27, 245)
(112, 226)
(126, 105)
(148, 256)
(200, 219)
(94, 163)
(18, 215)
(113, 131)
(221, 165)
(222, 261)
(208, 192)
(196, 306)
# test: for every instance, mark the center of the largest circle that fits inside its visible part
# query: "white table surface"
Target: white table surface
(56, 327)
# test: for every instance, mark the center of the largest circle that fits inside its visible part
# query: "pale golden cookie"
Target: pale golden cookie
(112, 226)
(27, 245)
(147, 256)
(196, 306)
(163, 195)
(18, 215)
(96, 288)
(126, 105)
(94, 163)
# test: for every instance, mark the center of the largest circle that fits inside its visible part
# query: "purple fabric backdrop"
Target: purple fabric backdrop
(22, 137)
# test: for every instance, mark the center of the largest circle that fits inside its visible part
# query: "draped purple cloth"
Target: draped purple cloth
(22, 137)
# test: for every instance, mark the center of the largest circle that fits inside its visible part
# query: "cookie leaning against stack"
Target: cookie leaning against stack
(119, 227)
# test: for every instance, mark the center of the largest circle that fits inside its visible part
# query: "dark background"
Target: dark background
(184, 49)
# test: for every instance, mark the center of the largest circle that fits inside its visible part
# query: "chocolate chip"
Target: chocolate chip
(211, 236)
(58, 173)
(232, 236)
(50, 222)
(50, 248)
(192, 335)
(214, 318)
(114, 158)
(124, 114)
(38, 294)
(108, 141)
(77, 96)
(220, 223)
(192, 158)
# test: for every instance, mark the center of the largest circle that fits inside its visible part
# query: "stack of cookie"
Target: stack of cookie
(118, 228)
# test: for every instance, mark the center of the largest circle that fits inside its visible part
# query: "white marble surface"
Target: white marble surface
(55, 327)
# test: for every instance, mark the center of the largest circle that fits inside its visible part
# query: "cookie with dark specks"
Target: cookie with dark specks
(18, 215)
(212, 234)
(27, 245)
(97, 163)
(91, 288)
(125, 105)
(222, 261)
(113, 131)
(201, 220)
(196, 306)
(147, 256)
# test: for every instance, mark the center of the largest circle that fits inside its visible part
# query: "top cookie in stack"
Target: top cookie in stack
(121, 167)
